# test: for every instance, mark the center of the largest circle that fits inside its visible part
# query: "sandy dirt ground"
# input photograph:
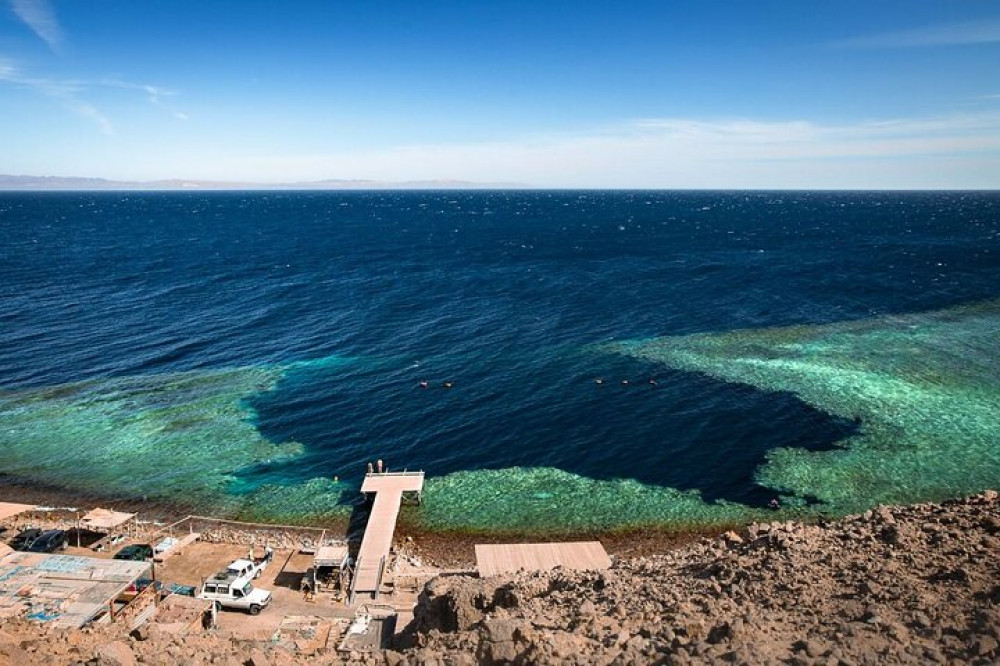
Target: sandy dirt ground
(200, 560)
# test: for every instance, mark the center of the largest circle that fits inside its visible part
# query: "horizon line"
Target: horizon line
(349, 190)
(94, 184)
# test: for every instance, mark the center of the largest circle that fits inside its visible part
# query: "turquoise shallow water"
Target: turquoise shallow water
(237, 353)
(923, 387)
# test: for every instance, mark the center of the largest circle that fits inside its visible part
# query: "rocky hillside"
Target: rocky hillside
(917, 585)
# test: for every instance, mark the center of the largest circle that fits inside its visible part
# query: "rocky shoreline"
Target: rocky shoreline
(907, 585)
(446, 549)
(918, 584)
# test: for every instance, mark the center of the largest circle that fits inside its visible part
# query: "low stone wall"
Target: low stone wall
(253, 535)
(211, 530)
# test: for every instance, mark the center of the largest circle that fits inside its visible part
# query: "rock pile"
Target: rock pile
(919, 584)
(279, 539)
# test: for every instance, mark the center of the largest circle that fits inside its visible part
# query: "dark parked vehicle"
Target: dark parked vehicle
(49, 542)
(138, 586)
(24, 540)
(137, 552)
(141, 584)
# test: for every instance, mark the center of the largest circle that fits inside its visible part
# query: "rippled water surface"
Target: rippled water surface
(240, 351)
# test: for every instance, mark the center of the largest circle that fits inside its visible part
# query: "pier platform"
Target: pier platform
(496, 559)
(389, 489)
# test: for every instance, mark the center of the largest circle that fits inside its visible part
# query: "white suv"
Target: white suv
(238, 593)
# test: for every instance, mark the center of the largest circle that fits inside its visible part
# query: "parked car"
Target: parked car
(49, 542)
(138, 586)
(138, 552)
(161, 588)
(24, 540)
(238, 593)
(247, 568)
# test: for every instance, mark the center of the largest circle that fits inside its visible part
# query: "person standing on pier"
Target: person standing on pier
(378, 465)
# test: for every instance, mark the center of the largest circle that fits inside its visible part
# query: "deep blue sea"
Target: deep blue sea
(138, 325)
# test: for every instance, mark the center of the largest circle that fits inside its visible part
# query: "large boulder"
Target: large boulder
(450, 605)
(115, 653)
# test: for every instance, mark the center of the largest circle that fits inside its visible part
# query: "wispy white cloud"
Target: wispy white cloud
(65, 92)
(954, 34)
(40, 17)
(68, 92)
(88, 110)
(7, 69)
(156, 95)
(946, 151)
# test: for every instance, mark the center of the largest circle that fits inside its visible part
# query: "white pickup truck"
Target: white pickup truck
(238, 593)
(250, 567)
(243, 569)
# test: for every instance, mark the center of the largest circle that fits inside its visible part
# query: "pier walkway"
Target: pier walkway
(496, 558)
(389, 488)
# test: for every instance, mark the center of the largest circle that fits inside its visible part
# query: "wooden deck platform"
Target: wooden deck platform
(388, 488)
(494, 559)
(10, 509)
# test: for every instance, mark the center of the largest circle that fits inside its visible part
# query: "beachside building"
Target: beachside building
(64, 590)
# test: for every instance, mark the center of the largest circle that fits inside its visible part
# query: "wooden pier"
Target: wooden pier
(389, 489)
(496, 558)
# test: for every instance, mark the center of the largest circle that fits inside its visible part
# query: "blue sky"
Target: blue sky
(682, 94)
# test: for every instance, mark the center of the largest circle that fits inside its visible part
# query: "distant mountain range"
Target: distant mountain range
(38, 183)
